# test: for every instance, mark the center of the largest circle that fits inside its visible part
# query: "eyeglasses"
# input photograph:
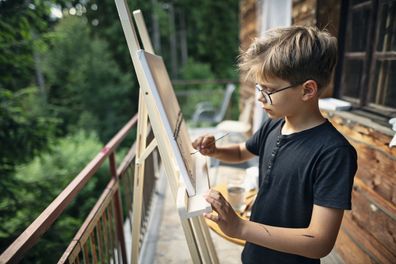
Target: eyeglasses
(267, 95)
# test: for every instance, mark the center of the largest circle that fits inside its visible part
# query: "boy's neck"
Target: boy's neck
(305, 119)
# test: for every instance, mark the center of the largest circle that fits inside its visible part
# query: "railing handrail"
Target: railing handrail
(41, 224)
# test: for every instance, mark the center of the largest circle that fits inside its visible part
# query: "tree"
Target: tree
(85, 84)
(24, 132)
(21, 25)
(46, 177)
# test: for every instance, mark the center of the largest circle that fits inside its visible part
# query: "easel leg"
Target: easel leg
(208, 240)
(204, 240)
(191, 241)
(139, 179)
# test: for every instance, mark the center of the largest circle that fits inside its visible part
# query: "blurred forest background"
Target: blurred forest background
(67, 85)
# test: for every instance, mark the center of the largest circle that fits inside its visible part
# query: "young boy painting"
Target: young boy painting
(306, 167)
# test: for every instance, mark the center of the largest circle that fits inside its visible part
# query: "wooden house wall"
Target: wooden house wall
(368, 231)
(248, 31)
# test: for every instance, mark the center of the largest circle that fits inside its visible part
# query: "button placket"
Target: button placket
(271, 161)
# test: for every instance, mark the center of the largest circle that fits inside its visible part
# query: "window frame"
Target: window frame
(369, 57)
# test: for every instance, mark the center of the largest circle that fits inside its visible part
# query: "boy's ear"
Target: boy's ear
(310, 90)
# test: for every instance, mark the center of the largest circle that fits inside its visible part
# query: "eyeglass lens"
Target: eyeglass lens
(266, 96)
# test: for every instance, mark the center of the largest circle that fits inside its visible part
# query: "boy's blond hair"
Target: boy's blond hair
(294, 54)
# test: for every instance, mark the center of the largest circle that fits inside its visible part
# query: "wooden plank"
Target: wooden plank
(86, 253)
(361, 133)
(366, 242)
(387, 207)
(109, 228)
(191, 241)
(376, 160)
(113, 233)
(349, 251)
(208, 240)
(203, 247)
(377, 171)
(143, 33)
(93, 247)
(371, 219)
(100, 243)
(106, 237)
(118, 217)
(139, 179)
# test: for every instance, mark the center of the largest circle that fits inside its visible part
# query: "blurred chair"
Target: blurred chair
(206, 112)
(239, 128)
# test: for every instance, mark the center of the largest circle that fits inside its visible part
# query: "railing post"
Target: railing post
(118, 209)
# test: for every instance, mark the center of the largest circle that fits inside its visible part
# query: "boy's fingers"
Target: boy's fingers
(217, 204)
(215, 194)
(207, 141)
(213, 217)
(197, 142)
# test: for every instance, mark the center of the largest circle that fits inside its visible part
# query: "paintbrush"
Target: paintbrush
(192, 153)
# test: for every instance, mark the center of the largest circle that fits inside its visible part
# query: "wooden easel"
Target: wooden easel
(195, 229)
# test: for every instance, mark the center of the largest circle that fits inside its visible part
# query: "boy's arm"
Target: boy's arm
(234, 153)
(315, 241)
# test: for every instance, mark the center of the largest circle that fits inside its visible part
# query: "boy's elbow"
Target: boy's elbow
(321, 251)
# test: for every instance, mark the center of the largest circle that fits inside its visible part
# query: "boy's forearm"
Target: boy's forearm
(230, 154)
(299, 241)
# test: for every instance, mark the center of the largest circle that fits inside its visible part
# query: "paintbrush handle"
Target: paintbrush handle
(192, 153)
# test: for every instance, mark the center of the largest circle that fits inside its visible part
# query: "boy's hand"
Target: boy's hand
(206, 145)
(229, 222)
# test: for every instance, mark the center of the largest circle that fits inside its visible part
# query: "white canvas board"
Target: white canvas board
(171, 116)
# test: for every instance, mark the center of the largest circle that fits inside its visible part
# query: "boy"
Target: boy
(306, 167)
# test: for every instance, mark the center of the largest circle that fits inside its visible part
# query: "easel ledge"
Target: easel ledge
(195, 205)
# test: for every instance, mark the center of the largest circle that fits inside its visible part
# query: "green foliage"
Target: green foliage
(104, 23)
(44, 178)
(25, 129)
(217, 41)
(194, 70)
(20, 23)
(86, 86)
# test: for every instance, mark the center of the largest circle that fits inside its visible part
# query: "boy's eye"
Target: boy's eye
(266, 89)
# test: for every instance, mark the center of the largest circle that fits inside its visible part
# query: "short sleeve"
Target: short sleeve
(334, 177)
(255, 143)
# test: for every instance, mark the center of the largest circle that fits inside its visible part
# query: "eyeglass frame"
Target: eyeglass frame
(267, 95)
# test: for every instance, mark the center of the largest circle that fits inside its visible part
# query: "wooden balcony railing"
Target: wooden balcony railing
(101, 238)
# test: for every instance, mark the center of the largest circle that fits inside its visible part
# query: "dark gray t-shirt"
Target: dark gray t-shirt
(314, 166)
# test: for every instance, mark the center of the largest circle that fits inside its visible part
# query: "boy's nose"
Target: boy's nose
(261, 98)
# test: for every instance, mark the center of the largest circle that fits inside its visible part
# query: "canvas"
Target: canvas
(171, 117)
